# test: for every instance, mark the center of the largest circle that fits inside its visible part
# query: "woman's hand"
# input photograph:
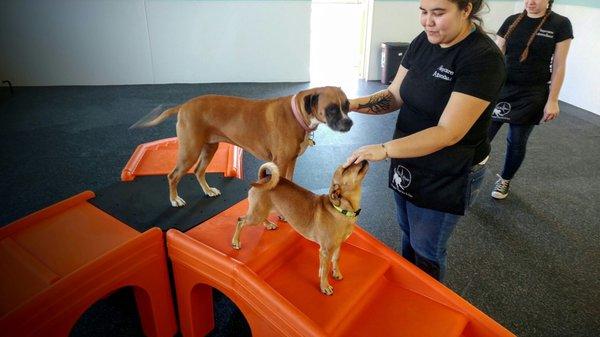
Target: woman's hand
(374, 152)
(551, 111)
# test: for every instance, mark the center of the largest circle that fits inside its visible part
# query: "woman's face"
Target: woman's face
(536, 7)
(443, 21)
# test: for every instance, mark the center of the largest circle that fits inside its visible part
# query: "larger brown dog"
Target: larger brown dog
(325, 219)
(269, 129)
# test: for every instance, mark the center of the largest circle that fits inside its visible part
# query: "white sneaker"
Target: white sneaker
(501, 188)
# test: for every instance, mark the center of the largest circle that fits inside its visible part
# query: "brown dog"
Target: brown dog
(325, 219)
(275, 129)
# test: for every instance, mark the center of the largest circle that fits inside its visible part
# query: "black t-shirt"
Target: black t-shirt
(474, 66)
(536, 68)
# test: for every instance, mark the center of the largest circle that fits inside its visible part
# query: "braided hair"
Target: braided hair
(512, 27)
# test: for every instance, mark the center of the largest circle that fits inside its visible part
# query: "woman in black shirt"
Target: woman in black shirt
(445, 88)
(536, 43)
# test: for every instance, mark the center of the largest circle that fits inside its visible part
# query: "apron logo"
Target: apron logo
(401, 178)
(501, 109)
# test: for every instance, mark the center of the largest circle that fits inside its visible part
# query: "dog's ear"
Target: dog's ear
(310, 102)
(335, 194)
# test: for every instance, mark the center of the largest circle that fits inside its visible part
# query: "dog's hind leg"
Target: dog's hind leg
(257, 213)
(187, 156)
(206, 155)
(324, 259)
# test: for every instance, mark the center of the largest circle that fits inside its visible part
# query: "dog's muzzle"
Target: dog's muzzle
(343, 125)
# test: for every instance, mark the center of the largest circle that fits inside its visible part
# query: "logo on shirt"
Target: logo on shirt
(501, 110)
(546, 33)
(443, 73)
(402, 178)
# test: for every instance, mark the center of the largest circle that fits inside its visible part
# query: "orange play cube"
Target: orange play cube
(57, 262)
(273, 279)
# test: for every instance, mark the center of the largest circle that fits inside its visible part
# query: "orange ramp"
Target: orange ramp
(159, 158)
(273, 279)
(57, 262)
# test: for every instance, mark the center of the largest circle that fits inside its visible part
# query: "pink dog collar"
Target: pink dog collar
(298, 116)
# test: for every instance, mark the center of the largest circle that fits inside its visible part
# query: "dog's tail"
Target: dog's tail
(267, 181)
(156, 116)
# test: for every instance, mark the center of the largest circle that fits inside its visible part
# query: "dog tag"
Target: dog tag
(311, 139)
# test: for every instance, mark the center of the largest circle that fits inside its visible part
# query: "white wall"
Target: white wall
(582, 82)
(98, 42)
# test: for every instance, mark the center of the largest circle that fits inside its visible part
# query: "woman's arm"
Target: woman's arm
(384, 101)
(461, 112)
(501, 43)
(559, 65)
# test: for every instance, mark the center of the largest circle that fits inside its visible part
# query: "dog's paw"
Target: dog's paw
(327, 290)
(236, 245)
(337, 275)
(213, 192)
(177, 202)
(270, 225)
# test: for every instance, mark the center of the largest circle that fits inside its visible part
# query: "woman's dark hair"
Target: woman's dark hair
(512, 27)
(475, 15)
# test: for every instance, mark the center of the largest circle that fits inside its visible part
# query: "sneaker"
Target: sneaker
(501, 188)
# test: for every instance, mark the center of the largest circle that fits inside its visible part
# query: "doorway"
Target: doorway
(337, 41)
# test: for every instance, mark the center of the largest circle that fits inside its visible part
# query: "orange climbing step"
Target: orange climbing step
(159, 158)
(273, 279)
(57, 262)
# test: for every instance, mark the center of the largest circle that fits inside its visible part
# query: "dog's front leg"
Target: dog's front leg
(334, 262)
(235, 241)
(324, 258)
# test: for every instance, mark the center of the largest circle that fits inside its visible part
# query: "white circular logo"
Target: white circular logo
(401, 177)
(502, 109)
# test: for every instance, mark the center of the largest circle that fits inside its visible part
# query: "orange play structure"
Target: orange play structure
(273, 280)
(57, 262)
(159, 157)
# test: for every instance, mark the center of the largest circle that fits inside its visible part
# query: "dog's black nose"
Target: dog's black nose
(345, 124)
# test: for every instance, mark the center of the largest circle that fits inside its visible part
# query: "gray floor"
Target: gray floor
(532, 261)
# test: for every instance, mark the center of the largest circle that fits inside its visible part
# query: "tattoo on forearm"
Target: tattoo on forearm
(379, 103)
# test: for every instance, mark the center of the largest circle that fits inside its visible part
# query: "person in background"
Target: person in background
(445, 87)
(536, 43)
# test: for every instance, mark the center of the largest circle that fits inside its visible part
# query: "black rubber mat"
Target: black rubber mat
(144, 202)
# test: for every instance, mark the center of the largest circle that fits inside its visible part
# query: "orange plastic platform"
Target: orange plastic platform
(59, 261)
(159, 157)
(273, 279)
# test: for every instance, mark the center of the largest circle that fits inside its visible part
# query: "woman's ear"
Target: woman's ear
(467, 10)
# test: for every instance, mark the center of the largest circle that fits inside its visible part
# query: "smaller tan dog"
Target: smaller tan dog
(325, 219)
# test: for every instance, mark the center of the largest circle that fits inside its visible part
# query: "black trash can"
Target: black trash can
(391, 55)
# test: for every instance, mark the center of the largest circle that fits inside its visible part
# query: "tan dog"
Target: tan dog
(275, 129)
(325, 219)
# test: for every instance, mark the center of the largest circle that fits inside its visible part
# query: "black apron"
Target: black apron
(521, 104)
(436, 181)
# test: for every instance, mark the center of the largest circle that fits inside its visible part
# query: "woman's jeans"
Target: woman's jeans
(425, 232)
(516, 145)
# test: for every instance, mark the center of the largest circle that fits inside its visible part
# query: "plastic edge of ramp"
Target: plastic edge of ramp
(480, 324)
(230, 163)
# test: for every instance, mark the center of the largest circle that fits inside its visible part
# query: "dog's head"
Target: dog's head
(345, 190)
(327, 105)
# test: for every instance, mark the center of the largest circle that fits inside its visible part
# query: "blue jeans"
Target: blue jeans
(425, 232)
(516, 146)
